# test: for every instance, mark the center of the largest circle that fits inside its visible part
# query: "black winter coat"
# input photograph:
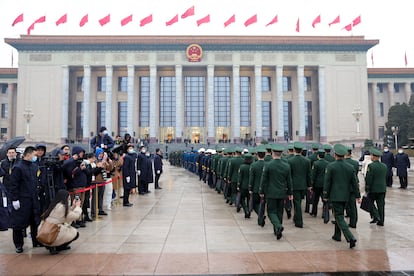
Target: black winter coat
(128, 170)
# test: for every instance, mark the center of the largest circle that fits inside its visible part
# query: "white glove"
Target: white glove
(16, 205)
(128, 179)
(139, 172)
(158, 172)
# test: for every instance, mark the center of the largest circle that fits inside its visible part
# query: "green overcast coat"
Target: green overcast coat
(276, 180)
(375, 180)
(340, 181)
(255, 176)
(300, 171)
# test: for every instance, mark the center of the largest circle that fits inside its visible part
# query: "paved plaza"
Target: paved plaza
(186, 228)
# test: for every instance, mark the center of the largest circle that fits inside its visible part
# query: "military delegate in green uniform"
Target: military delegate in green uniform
(223, 162)
(233, 173)
(376, 186)
(318, 179)
(243, 184)
(314, 155)
(351, 208)
(339, 182)
(328, 156)
(255, 176)
(268, 156)
(276, 183)
(301, 181)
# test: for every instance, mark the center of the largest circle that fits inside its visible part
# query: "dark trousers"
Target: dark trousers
(18, 238)
(340, 224)
(141, 186)
(244, 200)
(389, 179)
(126, 196)
(157, 178)
(256, 203)
(275, 212)
(378, 210)
(297, 207)
(317, 193)
(403, 181)
(352, 210)
(101, 191)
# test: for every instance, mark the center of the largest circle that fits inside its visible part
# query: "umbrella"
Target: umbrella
(14, 142)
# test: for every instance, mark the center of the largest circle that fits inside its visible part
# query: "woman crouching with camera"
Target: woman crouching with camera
(60, 213)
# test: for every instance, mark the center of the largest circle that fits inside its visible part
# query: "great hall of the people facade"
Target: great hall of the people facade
(200, 88)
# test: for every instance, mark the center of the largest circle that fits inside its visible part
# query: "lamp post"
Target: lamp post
(395, 130)
(28, 115)
(357, 113)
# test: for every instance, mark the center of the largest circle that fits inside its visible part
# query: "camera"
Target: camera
(77, 198)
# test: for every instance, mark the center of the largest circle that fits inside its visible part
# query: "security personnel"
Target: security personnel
(276, 183)
(351, 208)
(243, 184)
(233, 173)
(402, 163)
(268, 156)
(388, 159)
(301, 181)
(314, 155)
(339, 182)
(328, 156)
(318, 178)
(375, 186)
(255, 176)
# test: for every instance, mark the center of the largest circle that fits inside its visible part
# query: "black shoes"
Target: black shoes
(375, 220)
(87, 218)
(379, 223)
(238, 209)
(158, 188)
(336, 239)
(289, 214)
(279, 233)
(247, 215)
(128, 204)
(102, 213)
(298, 226)
(52, 250)
(19, 249)
(352, 243)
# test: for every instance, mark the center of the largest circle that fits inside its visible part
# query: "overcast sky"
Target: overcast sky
(388, 21)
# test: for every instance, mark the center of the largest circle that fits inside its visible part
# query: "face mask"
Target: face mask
(143, 151)
(131, 151)
(34, 159)
(400, 151)
(386, 150)
(147, 154)
(105, 132)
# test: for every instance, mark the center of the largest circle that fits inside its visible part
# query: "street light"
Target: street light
(28, 115)
(395, 130)
(357, 113)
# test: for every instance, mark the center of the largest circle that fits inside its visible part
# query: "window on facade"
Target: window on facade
(307, 83)
(194, 101)
(245, 109)
(396, 87)
(3, 133)
(266, 120)
(122, 84)
(381, 109)
(381, 132)
(144, 104)
(266, 86)
(4, 111)
(287, 84)
(167, 101)
(4, 88)
(380, 88)
(412, 87)
(222, 109)
(101, 84)
(308, 120)
(287, 119)
(79, 121)
(100, 112)
(122, 118)
(79, 84)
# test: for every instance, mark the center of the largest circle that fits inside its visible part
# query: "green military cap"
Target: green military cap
(268, 146)
(252, 150)
(278, 147)
(261, 148)
(321, 151)
(247, 156)
(376, 152)
(340, 149)
(238, 149)
(315, 146)
(219, 149)
(298, 145)
(327, 147)
(290, 147)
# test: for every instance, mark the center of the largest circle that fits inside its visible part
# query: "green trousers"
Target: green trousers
(275, 212)
(297, 207)
(377, 211)
(352, 210)
(340, 224)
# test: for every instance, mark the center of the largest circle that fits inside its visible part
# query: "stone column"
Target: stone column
(108, 99)
(130, 103)
(153, 107)
(11, 87)
(391, 92)
(322, 105)
(279, 102)
(407, 90)
(301, 102)
(211, 134)
(86, 102)
(258, 98)
(374, 110)
(236, 103)
(179, 108)
(65, 104)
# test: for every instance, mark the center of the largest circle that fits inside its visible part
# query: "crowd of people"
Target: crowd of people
(69, 187)
(281, 178)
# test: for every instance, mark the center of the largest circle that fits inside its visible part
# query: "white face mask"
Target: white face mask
(143, 151)
(147, 154)
(386, 150)
(400, 151)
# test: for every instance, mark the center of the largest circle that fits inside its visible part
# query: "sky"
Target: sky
(388, 21)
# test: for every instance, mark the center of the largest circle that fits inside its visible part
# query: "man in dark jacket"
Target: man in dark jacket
(388, 159)
(402, 163)
(129, 176)
(102, 140)
(25, 199)
(157, 167)
(7, 166)
(142, 170)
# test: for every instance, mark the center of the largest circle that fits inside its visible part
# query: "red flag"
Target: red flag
(105, 20)
(335, 21)
(31, 28)
(62, 20)
(232, 19)
(18, 20)
(348, 27)
(205, 19)
(356, 21)
(297, 26)
(188, 13)
(405, 58)
(316, 21)
(172, 21)
(126, 20)
(251, 20)
(274, 20)
(84, 20)
(41, 19)
(146, 20)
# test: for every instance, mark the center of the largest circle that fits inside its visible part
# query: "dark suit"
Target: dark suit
(388, 159)
(402, 163)
(129, 176)
(157, 169)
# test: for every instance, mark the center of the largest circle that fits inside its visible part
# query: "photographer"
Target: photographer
(42, 185)
(104, 166)
(102, 140)
(76, 180)
(90, 175)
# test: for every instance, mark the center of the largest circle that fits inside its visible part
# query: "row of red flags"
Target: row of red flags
(189, 12)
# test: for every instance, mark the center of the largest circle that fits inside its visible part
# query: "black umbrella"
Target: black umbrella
(14, 142)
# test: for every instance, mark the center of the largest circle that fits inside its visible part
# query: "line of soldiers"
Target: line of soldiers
(279, 178)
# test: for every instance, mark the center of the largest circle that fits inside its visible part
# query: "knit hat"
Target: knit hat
(98, 151)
